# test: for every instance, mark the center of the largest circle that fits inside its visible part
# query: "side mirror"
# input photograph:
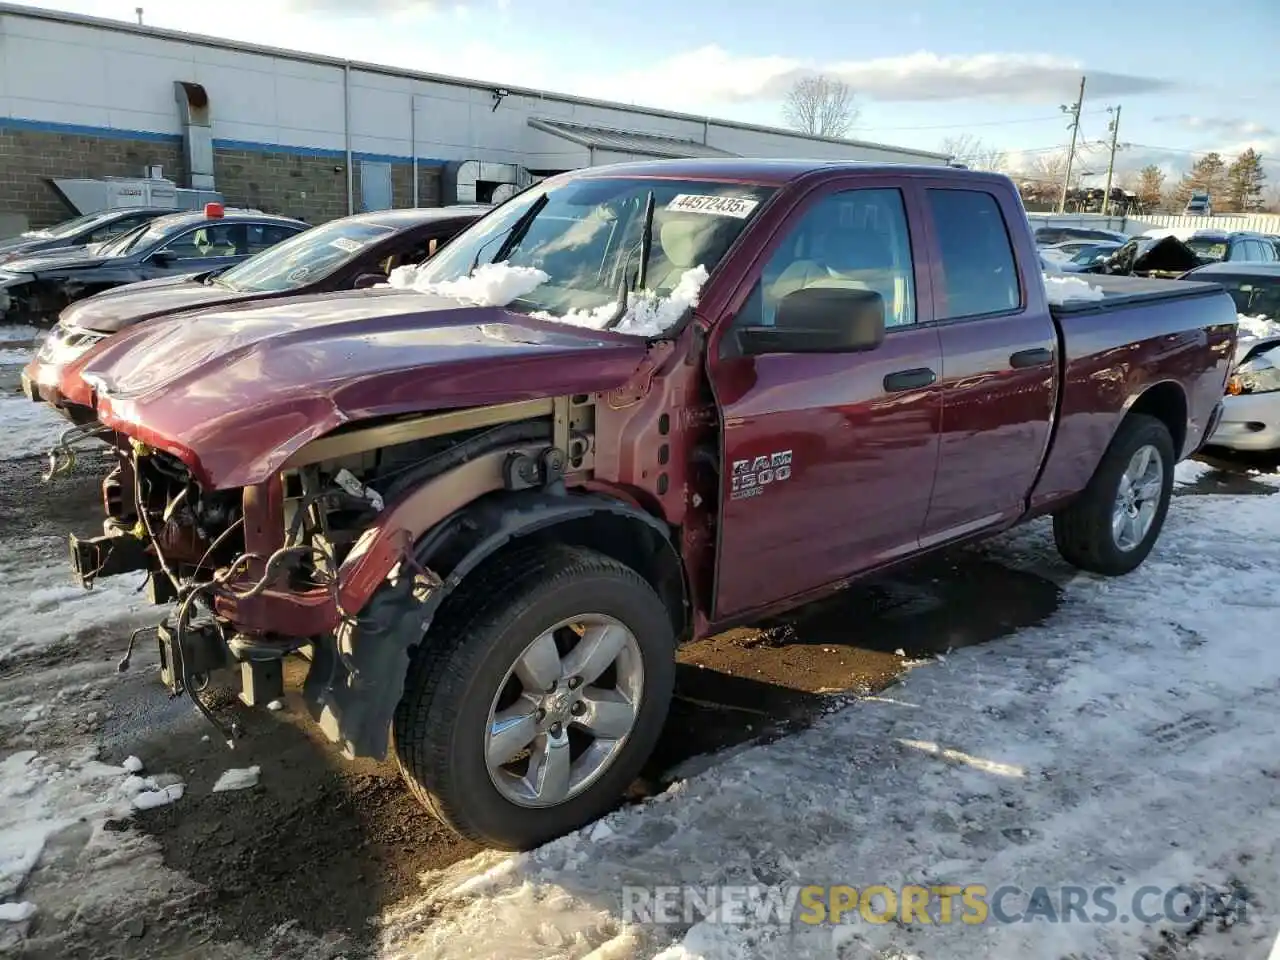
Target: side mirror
(367, 280)
(163, 258)
(820, 320)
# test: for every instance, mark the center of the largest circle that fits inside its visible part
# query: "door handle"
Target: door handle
(909, 379)
(1031, 358)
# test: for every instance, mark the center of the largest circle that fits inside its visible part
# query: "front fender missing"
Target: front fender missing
(356, 679)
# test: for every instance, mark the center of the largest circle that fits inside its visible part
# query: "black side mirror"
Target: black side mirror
(820, 320)
(367, 280)
(162, 258)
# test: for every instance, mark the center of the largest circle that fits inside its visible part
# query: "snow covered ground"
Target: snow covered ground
(1132, 740)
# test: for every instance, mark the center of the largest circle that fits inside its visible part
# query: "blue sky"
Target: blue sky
(924, 70)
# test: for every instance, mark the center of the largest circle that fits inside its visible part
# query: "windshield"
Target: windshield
(583, 245)
(139, 238)
(1254, 296)
(1208, 248)
(1094, 252)
(304, 258)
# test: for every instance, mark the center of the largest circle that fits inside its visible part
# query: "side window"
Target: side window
(210, 240)
(853, 239)
(979, 275)
(264, 235)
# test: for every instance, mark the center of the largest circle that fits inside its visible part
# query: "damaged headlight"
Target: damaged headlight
(1256, 375)
(63, 344)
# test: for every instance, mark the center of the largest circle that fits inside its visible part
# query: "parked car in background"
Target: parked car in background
(79, 231)
(635, 405)
(1251, 412)
(1076, 256)
(358, 251)
(35, 289)
(1222, 246)
(1052, 235)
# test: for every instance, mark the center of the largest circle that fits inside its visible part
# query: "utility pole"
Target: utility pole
(138, 11)
(1074, 110)
(1111, 164)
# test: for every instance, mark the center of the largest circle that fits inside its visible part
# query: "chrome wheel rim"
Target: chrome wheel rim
(1141, 487)
(564, 711)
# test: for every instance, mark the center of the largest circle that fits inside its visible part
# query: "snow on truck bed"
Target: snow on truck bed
(1131, 740)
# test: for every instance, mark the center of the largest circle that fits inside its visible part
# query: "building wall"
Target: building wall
(280, 123)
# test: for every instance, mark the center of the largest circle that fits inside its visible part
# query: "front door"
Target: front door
(829, 459)
(998, 367)
(209, 247)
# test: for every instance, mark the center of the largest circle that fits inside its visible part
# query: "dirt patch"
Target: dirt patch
(29, 507)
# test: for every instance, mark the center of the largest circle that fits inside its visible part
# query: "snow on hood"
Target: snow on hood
(647, 314)
(1063, 289)
(490, 285)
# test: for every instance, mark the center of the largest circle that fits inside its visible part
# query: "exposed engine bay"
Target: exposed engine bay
(203, 547)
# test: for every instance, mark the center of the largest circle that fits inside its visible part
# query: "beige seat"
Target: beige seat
(682, 241)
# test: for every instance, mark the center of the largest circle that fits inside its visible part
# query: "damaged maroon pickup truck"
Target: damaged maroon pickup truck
(630, 406)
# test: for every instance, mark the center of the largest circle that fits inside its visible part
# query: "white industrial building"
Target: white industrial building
(313, 135)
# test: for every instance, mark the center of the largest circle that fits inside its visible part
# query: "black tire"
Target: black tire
(501, 607)
(1083, 531)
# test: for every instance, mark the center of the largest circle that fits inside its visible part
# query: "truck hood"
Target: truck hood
(121, 307)
(233, 393)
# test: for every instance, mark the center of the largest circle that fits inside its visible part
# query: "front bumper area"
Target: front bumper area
(1250, 423)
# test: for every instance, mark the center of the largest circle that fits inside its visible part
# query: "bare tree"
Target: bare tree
(820, 105)
(975, 153)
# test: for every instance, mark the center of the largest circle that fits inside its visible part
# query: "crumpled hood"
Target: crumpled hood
(64, 258)
(121, 307)
(234, 392)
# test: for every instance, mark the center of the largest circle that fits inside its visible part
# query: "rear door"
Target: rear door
(828, 459)
(998, 362)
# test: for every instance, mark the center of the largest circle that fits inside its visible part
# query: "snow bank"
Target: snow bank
(19, 333)
(40, 796)
(30, 429)
(1061, 289)
(40, 605)
(14, 358)
(491, 285)
(647, 314)
(985, 769)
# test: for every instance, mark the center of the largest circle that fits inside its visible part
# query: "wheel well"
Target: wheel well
(630, 542)
(1167, 403)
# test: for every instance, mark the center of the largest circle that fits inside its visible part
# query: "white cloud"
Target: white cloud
(715, 75)
(1220, 126)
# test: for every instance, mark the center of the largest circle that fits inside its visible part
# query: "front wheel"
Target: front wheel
(1116, 521)
(536, 698)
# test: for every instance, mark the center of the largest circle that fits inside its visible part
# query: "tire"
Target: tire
(458, 675)
(1084, 532)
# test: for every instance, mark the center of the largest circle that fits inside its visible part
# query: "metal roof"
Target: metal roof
(627, 141)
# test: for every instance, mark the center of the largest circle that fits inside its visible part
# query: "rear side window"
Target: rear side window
(264, 235)
(979, 273)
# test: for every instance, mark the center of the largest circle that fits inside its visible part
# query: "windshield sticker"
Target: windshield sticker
(298, 274)
(350, 246)
(739, 207)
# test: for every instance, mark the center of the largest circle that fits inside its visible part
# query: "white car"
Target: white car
(1251, 409)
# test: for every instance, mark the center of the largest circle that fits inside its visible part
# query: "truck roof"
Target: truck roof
(772, 172)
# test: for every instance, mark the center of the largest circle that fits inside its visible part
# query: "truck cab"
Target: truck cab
(631, 406)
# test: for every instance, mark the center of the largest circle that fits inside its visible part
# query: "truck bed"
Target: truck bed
(1133, 291)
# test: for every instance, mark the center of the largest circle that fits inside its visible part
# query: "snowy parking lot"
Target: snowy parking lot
(992, 718)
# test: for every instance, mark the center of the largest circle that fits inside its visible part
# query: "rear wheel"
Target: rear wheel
(1114, 524)
(537, 696)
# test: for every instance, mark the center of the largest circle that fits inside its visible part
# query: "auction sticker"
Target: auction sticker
(343, 243)
(739, 207)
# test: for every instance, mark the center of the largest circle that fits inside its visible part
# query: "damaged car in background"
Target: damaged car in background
(633, 405)
(349, 253)
(35, 289)
(81, 231)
